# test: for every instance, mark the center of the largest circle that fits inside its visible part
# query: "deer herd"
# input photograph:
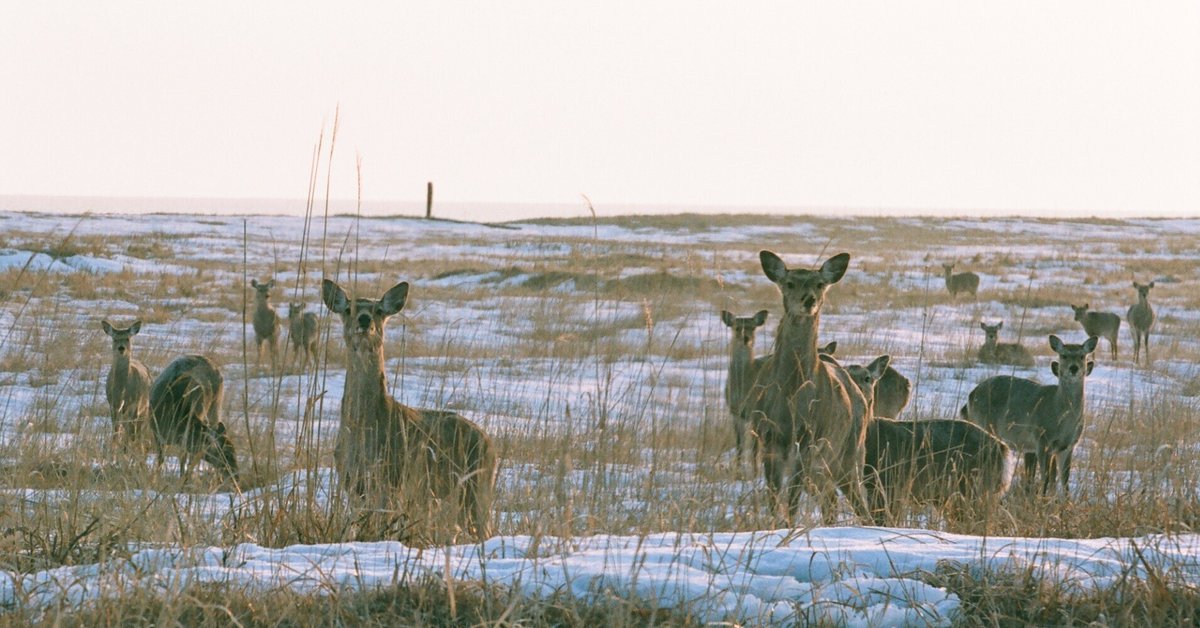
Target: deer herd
(814, 425)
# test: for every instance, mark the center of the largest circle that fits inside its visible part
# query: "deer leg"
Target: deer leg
(1064, 470)
(1031, 463)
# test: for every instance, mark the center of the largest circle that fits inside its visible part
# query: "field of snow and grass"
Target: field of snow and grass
(595, 357)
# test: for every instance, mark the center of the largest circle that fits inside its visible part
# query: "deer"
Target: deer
(303, 331)
(810, 418)
(1042, 422)
(1099, 324)
(1141, 317)
(266, 320)
(185, 404)
(945, 463)
(961, 282)
(891, 390)
(388, 453)
(128, 386)
(741, 377)
(994, 352)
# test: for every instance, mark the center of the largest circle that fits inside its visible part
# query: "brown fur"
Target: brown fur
(741, 377)
(266, 319)
(303, 331)
(1141, 318)
(388, 454)
(994, 352)
(128, 386)
(809, 415)
(186, 404)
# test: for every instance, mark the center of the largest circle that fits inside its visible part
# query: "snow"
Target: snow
(845, 575)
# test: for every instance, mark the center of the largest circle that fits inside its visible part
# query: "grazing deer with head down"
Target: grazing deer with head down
(1043, 422)
(388, 453)
(961, 282)
(266, 319)
(128, 385)
(811, 419)
(994, 352)
(741, 376)
(1099, 324)
(303, 331)
(1141, 317)
(185, 402)
(944, 463)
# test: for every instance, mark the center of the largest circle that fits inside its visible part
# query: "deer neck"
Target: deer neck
(796, 347)
(121, 365)
(1069, 398)
(365, 394)
(740, 357)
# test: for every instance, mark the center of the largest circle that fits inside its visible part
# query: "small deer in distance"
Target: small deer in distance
(303, 332)
(266, 320)
(961, 282)
(995, 352)
(1099, 324)
(1141, 318)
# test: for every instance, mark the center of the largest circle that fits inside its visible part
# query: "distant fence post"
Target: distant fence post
(429, 200)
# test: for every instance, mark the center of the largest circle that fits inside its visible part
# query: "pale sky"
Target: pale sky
(1070, 105)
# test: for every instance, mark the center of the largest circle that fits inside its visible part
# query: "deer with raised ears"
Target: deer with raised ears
(128, 385)
(1043, 422)
(810, 417)
(1099, 324)
(960, 282)
(185, 403)
(389, 454)
(266, 319)
(995, 352)
(891, 391)
(303, 331)
(1141, 317)
(741, 377)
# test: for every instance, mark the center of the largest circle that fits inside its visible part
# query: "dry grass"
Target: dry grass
(611, 439)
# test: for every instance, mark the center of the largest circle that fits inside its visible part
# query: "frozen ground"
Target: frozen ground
(521, 360)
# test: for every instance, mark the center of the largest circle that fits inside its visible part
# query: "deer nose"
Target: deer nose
(364, 320)
(1074, 369)
(809, 301)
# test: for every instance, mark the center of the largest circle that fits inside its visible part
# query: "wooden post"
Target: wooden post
(429, 200)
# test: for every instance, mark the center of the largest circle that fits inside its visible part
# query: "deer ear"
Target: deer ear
(253, 283)
(270, 284)
(1054, 368)
(829, 349)
(1151, 284)
(135, 327)
(1089, 345)
(220, 429)
(983, 325)
(334, 297)
(1056, 343)
(878, 366)
(772, 265)
(835, 267)
(760, 318)
(1000, 325)
(727, 318)
(393, 300)
(1090, 365)
(108, 328)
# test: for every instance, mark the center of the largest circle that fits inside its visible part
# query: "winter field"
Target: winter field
(593, 353)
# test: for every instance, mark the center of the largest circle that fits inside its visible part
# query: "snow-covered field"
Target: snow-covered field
(553, 331)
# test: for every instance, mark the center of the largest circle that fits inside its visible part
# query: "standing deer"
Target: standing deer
(1141, 317)
(962, 282)
(1099, 324)
(186, 406)
(994, 352)
(266, 319)
(389, 453)
(1043, 422)
(128, 385)
(811, 419)
(302, 330)
(741, 377)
